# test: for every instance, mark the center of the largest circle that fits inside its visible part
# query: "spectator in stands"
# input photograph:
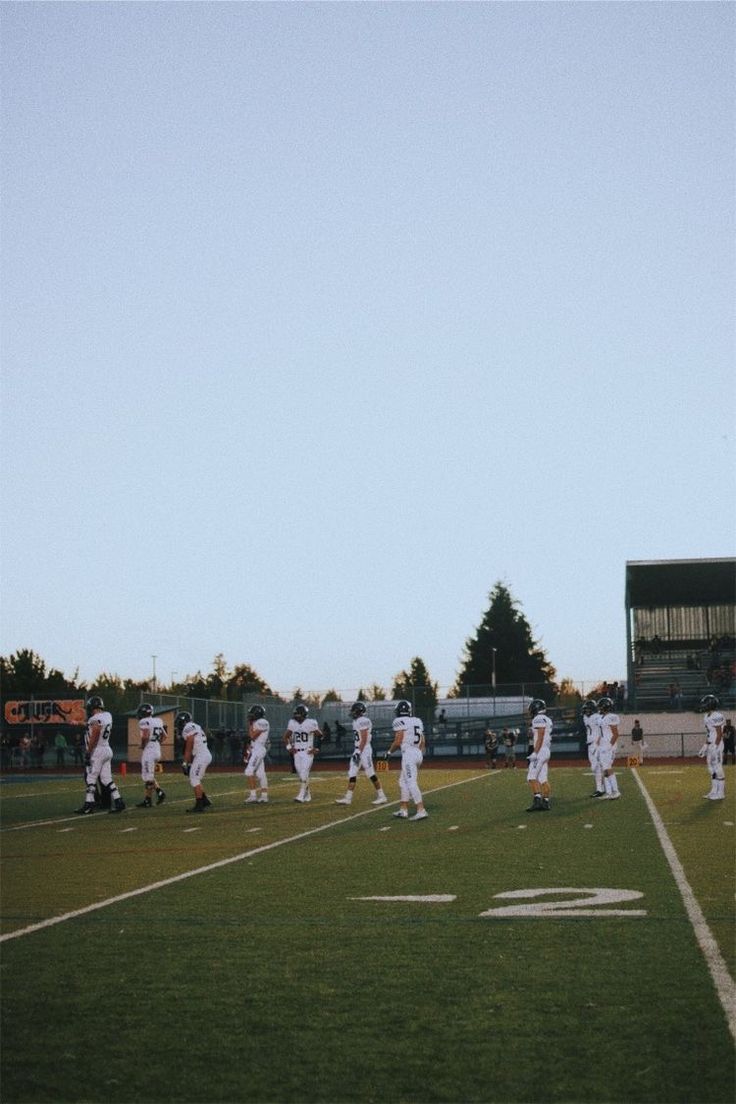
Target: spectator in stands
(637, 741)
(675, 695)
(656, 644)
(491, 745)
(729, 742)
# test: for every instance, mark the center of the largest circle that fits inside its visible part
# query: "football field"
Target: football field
(289, 952)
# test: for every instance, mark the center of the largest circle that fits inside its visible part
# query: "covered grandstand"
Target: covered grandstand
(681, 632)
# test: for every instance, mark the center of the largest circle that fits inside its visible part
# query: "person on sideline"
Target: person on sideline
(255, 767)
(300, 739)
(362, 757)
(152, 733)
(637, 741)
(409, 736)
(98, 758)
(729, 741)
(196, 758)
(712, 749)
(509, 748)
(609, 722)
(537, 775)
(490, 742)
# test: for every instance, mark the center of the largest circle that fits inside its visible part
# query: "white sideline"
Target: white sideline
(724, 983)
(211, 866)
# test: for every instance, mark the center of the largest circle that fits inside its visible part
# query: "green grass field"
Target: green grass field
(289, 974)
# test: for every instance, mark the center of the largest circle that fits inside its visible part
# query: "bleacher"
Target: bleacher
(692, 670)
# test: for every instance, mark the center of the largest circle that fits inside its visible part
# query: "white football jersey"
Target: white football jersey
(592, 727)
(412, 731)
(363, 727)
(713, 721)
(104, 720)
(199, 734)
(607, 722)
(543, 723)
(259, 731)
(302, 733)
(152, 728)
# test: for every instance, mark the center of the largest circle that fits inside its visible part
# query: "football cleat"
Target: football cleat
(420, 816)
(85, 810)
(345, 801)
(401, 814)
(380, 800)
(250, 800)
(145, 804)
(263, 799)
(598, 793)
(160, 797)
(195, 809)
(613, 796)
(536, 806)
(118, 807)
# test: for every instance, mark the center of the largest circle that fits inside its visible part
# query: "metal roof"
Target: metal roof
(659, 583)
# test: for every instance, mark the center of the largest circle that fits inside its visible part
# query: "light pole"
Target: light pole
(493, 680)
(153, 681)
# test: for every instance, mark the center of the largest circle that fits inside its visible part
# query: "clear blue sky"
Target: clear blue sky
(318, 319)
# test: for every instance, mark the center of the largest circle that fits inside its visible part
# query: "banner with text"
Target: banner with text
(55, 711)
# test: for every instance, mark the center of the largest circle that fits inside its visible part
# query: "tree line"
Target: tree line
(501, 652)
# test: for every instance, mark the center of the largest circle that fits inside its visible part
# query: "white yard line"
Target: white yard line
(724, 983)
(212, 866)
(86, 820)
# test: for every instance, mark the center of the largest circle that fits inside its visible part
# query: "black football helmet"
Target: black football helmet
(708, 702)
(144, 710)
(538, 705)
(256, 712)
(182, 720)
(300, 713)
(94, 703)
(403, 709)
(605, 705)
(357, 709)
(589, 707)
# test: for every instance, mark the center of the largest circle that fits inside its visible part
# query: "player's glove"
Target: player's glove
(186, 767)
(356, 758)
(386, 755)
(703, 752)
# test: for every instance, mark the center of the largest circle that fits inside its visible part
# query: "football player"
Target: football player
(152, 733)
(592, 722)
(300, 739)
(98, 758)
(255, 769)
(197, 758)
(607, 740)
(537, 774)
(409, 736)
(362, 757)
(712, 749)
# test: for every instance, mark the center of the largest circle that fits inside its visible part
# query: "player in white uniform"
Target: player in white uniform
(712, 749)
(607, 740)
(98, 759)
(300, 739)
(592, 722)
(197, 758)
(409, 736)
(152, 732)
(255, 767)
(538, 772)
(362, 757)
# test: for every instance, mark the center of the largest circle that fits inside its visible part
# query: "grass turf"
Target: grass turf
(267, 980)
